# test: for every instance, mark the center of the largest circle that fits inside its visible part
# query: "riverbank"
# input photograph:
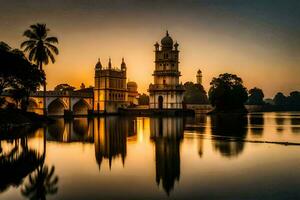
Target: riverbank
(13, 118)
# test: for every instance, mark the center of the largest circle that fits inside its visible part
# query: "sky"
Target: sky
(258, 40)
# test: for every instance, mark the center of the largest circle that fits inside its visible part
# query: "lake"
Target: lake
(204, 157)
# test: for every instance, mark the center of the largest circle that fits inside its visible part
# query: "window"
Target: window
(164, 81)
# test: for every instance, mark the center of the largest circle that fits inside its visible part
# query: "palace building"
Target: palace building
(166, 92)
(110, 91)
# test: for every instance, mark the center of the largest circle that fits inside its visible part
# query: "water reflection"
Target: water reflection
(295, 122)
(167, 134)
(279, 119)
(16, 162)
(41, 182)
(256, 123)
(176, 145)
(228, 133)
(110, 135)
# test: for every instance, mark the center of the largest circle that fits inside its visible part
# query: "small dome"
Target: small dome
(199, 71)
(131, 84)
(167, 41)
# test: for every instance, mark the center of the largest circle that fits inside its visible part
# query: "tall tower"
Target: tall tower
(166, 92)
(199, 77)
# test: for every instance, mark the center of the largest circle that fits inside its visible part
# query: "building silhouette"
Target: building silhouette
(110, 91)
(166, 92)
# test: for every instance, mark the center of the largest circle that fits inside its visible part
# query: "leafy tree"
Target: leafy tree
(194, 94)
(227, 92)
(40, 47)
(294, 98)
(17, 75)
(256, 96)
(64, 87)
(143, 99)
(280, 99)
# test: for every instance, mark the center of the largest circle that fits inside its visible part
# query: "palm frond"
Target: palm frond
(50, 55)
(30, 34)
(52, 48)
(51, 40)
(28, 43)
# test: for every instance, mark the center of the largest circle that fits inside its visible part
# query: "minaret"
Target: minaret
(199, 77)
(123, 65)
(109, 63)
(166, 92)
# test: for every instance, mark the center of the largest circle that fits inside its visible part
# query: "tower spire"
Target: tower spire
(109, 63)
(123, 65)
(167, 33)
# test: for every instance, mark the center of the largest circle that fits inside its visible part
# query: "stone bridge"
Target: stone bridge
(59, 103)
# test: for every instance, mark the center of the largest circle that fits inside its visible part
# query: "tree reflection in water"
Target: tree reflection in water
(41, 182)
(256, 122)
(295, 122)
(279, 119)
(167, 133)
(228, 133)
(17, 163)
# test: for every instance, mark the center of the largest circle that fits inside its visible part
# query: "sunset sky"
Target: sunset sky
(258, 40)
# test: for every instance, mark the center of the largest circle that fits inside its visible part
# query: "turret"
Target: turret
(156, 46)
(123, 65)
(98, 65)
(109, 63)
(199, 77)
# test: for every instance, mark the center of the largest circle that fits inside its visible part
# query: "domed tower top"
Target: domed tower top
(167, 42)
(199, 77)
(98, 65)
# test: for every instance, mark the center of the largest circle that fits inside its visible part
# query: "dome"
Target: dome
(167, 41)
(199, 71)
(132, 86)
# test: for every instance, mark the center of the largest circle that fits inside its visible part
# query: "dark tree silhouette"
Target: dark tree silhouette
(256, 96)
(64, 87)
(144, 99)
(194, 94)
(227, 93)
(280, 99)
(17, 75)
(40, 47)
(294, 98)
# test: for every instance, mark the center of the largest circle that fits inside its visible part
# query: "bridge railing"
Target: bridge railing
(62, 94)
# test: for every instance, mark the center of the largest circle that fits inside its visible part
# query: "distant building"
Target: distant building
(110, 91)
(199, 77)
(132, 93)
(166, 92)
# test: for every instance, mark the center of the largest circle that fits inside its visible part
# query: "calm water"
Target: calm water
(156, 158)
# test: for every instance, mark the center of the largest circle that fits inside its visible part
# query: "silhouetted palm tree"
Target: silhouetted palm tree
(40, 47)
(41, 183)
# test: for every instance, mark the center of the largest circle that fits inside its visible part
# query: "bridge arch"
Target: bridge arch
(81, 107)
(57, 107)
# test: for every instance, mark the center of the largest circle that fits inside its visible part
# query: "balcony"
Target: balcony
(164, 87)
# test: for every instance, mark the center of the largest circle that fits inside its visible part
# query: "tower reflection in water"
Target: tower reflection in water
(167, 134)
(110, 134)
